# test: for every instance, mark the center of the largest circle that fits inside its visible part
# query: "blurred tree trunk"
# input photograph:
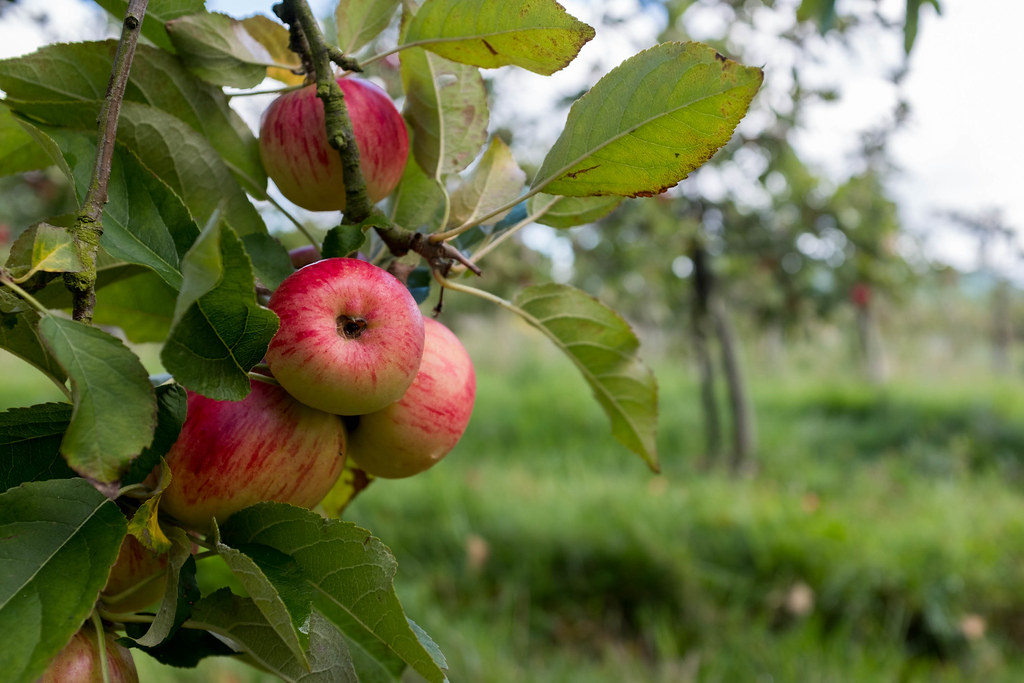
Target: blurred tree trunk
(872, 352)
(1002, 331)
(743, 429)
(701, 326)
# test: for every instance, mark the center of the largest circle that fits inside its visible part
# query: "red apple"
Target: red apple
(79, 661)
(232, 454)
(135, 564)
(304, 255)
(351, 336)
(419, 429)
(295, 153)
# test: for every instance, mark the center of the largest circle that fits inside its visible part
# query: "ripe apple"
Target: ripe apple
(419, 429)
(79, 661)
(351, 336)
(232, 454)
(295, 153)
(135, 564)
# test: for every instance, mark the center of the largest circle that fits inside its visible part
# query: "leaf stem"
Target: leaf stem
(490, 246)
(277, 91)
(134, 588)
(295, 221)
(88, 227)
(101, 645)
(480, 220)
(31, 300)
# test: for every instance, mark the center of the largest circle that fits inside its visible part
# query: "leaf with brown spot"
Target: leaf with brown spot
(649, 122)
(538, 35)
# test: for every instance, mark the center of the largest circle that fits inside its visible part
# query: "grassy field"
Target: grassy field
(880, 539)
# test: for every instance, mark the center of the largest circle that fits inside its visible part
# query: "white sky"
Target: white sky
(963, 148)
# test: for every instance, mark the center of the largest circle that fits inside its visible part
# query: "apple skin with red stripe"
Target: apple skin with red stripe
(350, 339)
(414, 433)
(308, 171)
(266, 447)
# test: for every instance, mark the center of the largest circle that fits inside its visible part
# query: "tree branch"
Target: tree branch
(88, 226)
(340, 136)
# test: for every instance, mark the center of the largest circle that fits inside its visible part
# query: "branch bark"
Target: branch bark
(88, 226)
(309, 41)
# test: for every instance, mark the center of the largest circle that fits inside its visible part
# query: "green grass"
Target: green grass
(882, 528)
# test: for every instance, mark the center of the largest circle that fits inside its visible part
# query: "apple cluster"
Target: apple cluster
(356, 370)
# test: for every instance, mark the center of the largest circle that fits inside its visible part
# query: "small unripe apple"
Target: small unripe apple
(304, 255)
(79, 661)
(266, 447)
(351, 336)
(307, 170)
(418, 430)
(135, 563)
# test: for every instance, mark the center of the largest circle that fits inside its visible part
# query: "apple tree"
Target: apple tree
(138, 481)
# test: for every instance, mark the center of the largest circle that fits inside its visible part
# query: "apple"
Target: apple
(233, 454)
(79, 661)
(134, 565)
(304, 255)
(419, 429)
(293, 145)
(351, 336)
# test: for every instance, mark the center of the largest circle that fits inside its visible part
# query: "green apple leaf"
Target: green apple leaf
(538, 35)
(360, 21)
(19, 334)
(567, 212)
(219, 49)
(114, 405)
(446, 107)
(58, 540)
(279, 589)
(64, 85)
(43, 247)
(604, 348)
(351, 574)
(158, 13)
(185, 161)
(270, 259)
(30, 444)
(181, 594)
(240, 620)
(20, 151)
(418, 203)
(171, 407)
(144, 221)
(220, 331)
(141, 306)
(494, 182)
(649, 122)
(185, 648)
(342, 240)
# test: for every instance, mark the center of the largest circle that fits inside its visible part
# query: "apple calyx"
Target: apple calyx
(351, 327)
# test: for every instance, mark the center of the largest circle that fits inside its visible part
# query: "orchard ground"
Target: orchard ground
(880, 539)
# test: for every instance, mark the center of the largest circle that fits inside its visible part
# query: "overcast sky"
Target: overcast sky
(963, 149)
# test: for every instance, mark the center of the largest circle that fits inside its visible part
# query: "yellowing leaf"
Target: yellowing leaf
(495, 181)
(538, 35)
(649, 122)
(446, 106)
(43, 247)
